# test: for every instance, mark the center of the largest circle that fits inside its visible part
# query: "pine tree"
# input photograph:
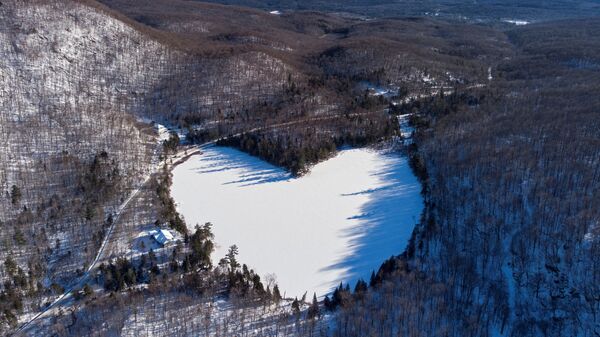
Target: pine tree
(336, 298)
(276, 294)
(268, 293)
(11, 266)
(151, 255)
(296, 306)
(327, 303)
(231, 258)
(360, 289)
(313, 311)
(15, 194)
(87, 290)
(373, 280)
(170, 145)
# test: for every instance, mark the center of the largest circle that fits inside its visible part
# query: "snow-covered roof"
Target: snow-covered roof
(163, 236)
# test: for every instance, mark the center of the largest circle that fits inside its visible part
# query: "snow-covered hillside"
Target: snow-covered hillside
(73, 78)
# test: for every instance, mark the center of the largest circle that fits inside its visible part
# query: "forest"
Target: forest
(515, 198)
(488, 11)
(506, 146)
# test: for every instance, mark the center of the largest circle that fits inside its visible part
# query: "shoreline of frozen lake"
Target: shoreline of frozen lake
(337, 223)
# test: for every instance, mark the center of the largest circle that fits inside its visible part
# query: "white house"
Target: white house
(162, 236)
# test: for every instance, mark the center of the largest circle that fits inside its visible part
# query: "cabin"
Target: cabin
(163, 236)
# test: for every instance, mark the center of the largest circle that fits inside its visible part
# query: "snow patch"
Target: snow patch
(517, 22)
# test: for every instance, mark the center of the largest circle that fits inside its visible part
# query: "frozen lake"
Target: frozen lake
(338, 223)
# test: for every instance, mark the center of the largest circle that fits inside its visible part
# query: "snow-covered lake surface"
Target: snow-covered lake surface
(338, 223)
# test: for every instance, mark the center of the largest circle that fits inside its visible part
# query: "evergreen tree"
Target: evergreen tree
(170, 145)
(202, 246)
(257, 285)
(336, 298)
(11, 266)
(231, 258)
(151, 255)
(268, 293)
(327, 303)
(87, 290)
(140, 274)
(15, 194)
(360, 289)
(276, 294)
(296, 306)
(313, 311)
(373, 280)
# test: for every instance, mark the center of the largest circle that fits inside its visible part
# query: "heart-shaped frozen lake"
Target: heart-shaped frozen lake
(338, 223)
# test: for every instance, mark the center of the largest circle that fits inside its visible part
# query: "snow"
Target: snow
(378, 90)
(145, 242)
(163, 133)
(170, 316)
(405, 129)
(428, 79)
(517, 22)
(338, 223)
(275, 12)
(162, 236)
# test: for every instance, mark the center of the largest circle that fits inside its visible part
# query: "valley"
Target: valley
(337, 168)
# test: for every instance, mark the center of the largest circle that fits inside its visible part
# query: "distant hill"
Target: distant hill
(471, 11)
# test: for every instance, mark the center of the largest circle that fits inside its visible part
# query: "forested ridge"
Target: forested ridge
(488, 11)
(508, 242)
(506, 146)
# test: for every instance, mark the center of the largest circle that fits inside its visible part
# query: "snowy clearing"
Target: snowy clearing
(517, 22)
(338, 223)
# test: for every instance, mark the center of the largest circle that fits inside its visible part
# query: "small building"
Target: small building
(163, 236)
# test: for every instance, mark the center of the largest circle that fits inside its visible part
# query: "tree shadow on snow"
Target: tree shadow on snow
(254, 171)
(385, 222)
